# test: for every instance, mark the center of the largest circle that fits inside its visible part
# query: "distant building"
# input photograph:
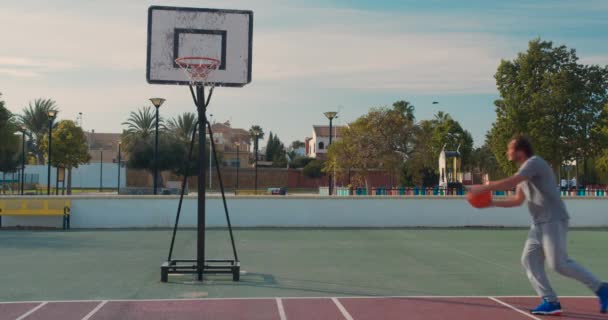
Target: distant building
(103, 147)
(232, 141)
(316, 147)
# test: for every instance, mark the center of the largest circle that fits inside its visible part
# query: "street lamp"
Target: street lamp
(238, 164)
(157, 102)
(118, 184)
(210, 155)
(256, 135)
(23, 132)
(51, 114)
(330, 115)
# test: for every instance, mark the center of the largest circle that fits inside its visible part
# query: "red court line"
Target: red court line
(14, 310)
(428, 309)
(306, 309)
(574, 308)
(250, 309)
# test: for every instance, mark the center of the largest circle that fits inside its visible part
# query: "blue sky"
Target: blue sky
(309, 57)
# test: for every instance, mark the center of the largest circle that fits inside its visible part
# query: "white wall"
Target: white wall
(290, 211)
(85, 176)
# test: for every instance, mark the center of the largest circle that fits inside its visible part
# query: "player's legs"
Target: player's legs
(533, 260)
(554, 244)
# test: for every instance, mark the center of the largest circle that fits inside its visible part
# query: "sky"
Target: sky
(308, 57)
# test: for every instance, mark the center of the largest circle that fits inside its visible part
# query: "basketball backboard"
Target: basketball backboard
(175, 32)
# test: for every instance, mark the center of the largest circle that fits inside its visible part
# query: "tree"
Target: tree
(35, 118)
(275, 151)
(551, 98)
(381, 139)
(9, 143)
(297, 144)
(406, 109)
(70, 148)
(449, 133)
(182, 126)
(142, 123)
(252, 135)
(313, 169)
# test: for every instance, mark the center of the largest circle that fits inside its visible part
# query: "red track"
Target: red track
(367, 308)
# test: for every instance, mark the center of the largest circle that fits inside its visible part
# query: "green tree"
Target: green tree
(70, 148)
(406, 109)
(9, 142)
(252, 134)
(313, 169)
(275, 151)
(142, 123)
(449, 133)
(551, 98)
(182, 126)
(381, 139)
(35, 118)
(297, 144)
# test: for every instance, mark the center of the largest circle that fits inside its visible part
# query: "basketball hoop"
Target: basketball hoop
(198, 68)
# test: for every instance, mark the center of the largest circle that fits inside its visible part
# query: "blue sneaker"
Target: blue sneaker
(548, 308)
(602, 293)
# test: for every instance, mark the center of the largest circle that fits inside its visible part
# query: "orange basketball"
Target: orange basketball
(481, 200)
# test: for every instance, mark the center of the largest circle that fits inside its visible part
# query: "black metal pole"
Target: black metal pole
(48, 187)
(330, 177)
(256, 164)
(118, 184)
(23, 163)
(202, 155)
(238, 164)
(100, 170)
(156, 155)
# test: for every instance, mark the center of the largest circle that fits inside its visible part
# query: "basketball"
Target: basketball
(481, 200)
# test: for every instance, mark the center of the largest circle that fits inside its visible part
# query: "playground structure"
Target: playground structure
(450, 174)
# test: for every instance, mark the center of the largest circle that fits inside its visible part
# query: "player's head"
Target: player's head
(519, 149)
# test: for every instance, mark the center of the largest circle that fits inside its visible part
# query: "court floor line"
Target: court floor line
(34, 309)
(286, 298)
(343, 310)
(514, 308)
(281, 309)
(99, 306)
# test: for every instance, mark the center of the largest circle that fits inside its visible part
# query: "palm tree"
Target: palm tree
(256, 130)
(405, 108)
(35, 118)
(182, 126)
(141, 123)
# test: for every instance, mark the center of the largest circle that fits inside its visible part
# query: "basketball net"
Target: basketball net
(198, 68)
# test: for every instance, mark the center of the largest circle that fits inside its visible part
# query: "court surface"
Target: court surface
(287, 274)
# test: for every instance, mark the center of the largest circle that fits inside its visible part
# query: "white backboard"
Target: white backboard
(175, 32)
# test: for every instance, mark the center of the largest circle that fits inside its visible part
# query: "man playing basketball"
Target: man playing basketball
(547, 239)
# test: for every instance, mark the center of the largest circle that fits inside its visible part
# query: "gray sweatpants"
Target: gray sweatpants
(547, 241)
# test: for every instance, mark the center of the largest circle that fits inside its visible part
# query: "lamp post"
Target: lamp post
(210, 155)
(330, 115)
(256, 135)
(51, 114)
(157, 102)
(238, 164)
(23, 133)
(118, 184)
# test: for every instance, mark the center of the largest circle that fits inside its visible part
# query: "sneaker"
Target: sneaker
(602, 293)
(548, 308)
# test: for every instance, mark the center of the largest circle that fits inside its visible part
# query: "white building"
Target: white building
(316, 147)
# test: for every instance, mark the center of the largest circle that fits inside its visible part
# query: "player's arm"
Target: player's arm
(499, 185)
(515, 201)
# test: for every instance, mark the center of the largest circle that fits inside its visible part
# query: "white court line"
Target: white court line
(101, 304)
(23, 316)
(281, 309)
(285, 298)
(345, 313)
(513, 308)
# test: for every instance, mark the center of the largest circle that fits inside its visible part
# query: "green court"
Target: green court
(125, 264)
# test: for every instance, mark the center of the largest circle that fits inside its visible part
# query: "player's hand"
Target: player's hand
(477, 189)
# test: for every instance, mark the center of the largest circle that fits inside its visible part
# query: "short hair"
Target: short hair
(521, 143)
